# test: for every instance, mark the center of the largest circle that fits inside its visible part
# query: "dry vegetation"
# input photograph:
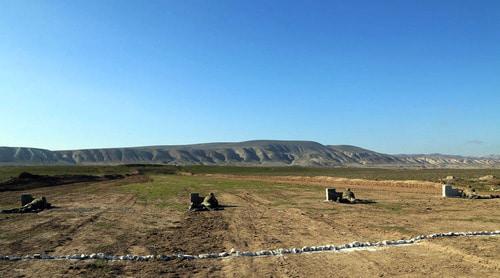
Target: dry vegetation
(146, 214)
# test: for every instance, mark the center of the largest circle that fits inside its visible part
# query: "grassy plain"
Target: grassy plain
(266, 208)
(353, 173)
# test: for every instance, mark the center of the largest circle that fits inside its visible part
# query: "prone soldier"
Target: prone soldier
(36, 205)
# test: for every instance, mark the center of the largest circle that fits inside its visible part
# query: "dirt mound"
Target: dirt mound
(388, 185)
(487, 178)
(27, 180)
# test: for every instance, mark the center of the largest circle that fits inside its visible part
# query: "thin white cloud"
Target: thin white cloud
(475, 142)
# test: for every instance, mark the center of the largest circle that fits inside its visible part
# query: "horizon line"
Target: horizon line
(246, 141)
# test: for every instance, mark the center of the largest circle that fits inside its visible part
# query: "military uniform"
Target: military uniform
(210, 202)
(348, 196)
(36, 205)
(470, 193)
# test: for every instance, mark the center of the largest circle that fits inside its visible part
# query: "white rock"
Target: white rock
(203, 256)
(223, 254)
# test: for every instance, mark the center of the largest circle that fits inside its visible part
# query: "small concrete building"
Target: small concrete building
(196, 198)
(450, 192)
(26, 199)
(332, 194)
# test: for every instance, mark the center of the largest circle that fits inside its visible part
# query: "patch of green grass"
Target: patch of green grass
(100, 263)
(104, 225)
(5, 206)
(99, 268)
(8, 204)
(391, 207)
(364, 173)
(477, 219)
(283, 203)
(467, 176)
(399, 229)
(7, 236)
(173, 191)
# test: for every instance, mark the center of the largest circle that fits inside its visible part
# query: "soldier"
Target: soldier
(210, 202)
(348, 196)
(36, 205)
(470, 193)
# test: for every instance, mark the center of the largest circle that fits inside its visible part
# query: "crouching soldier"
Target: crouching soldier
(348, 196)
(210, 202)
(470, 193)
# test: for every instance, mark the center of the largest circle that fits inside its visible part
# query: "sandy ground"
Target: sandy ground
(102, 218)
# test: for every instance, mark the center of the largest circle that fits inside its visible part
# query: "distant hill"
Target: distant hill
(249, 153)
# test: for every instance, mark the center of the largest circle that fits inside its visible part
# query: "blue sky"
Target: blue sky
(393, 76)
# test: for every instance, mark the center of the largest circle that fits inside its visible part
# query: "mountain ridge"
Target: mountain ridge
(246, 153)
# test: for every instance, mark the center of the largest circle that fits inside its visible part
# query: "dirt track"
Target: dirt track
(387, 185)
(101, 218)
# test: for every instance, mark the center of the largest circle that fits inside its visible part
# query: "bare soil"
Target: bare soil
(101, 217)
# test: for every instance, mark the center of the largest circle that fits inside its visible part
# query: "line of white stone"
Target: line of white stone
(275, 252)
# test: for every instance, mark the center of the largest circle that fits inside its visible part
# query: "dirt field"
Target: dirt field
(147, 215)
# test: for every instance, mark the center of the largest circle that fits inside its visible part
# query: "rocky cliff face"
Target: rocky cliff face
(265, 153)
